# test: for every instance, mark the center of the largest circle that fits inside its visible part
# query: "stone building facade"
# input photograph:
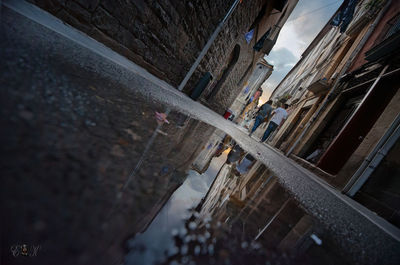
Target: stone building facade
(342, 95)
(165, 37)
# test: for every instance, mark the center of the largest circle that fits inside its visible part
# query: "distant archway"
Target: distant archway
(233, 58)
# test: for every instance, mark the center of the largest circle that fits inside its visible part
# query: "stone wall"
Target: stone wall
(165, 37)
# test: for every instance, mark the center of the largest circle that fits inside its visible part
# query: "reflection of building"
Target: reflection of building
(344, 97)
(168, 162)
(259, 208)
(203, 160)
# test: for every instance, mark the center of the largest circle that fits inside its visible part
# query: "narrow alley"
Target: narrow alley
(123, 145)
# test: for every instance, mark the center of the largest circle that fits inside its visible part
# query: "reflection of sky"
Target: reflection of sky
(157, 238)
(303, 25)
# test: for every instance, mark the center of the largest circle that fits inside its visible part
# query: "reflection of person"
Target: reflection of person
(245, 164)
(263, 113)
(235, 154)
(279, 116)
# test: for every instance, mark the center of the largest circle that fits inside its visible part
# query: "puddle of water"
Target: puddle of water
(243, 216)
(151, 246)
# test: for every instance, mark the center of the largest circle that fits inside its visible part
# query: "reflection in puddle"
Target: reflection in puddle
(244, 217)
(149, 247)
(94, 174)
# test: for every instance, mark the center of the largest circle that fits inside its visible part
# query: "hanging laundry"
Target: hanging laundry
(344, 17)
(249, 36)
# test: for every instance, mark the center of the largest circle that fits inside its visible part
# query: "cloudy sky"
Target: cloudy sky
(306, 20)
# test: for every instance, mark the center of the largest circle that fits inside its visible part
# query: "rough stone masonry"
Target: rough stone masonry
(165, 37)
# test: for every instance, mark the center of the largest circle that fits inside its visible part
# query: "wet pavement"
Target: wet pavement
(220, 226)
(151, 246)
(92, 175)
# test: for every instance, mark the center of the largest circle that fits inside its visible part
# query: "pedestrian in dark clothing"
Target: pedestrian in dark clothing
(263, 113)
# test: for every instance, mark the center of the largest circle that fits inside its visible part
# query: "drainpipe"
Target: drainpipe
(207, 46)
(374, 158)
(330, 96)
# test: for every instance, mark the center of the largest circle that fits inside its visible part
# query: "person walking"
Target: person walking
(263, 113)
(279, 116)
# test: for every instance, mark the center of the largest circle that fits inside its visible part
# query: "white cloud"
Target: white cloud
(288, 39)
